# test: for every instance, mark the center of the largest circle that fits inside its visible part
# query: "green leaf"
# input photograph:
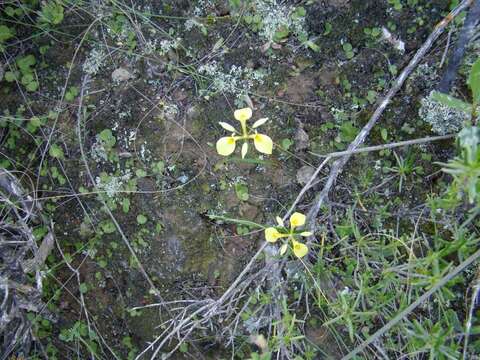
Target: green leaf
(83, 288)
(347, 47)
(11, 76)
(451, 102)
(236, 221)
(5, 33)
(300, 11)
(242, 191)
(56, 151)
(281, 33)
(27, 79)
(10, 11)
(35, 121)
(328, 28)
(71, 93)
(25, 62)
(126, 205)
(140, 173)
(141, 219)
(286, 143)
(474, 82)
(376, 32)
(384, 134)
(348, 131)
(108, 227)
(158, 167)
(183, 347)
(235, 3)
(52, 13)
(32, 86)
(314, 47)
(107, 137)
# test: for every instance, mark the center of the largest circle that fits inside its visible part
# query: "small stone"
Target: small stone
(304, 174)
(193, 112)
(248, 211)
(121, 74)
(339, 3)
(302, 141)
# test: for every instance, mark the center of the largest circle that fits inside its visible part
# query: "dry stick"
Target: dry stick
(466, 34)
(388, 146)
(468, 325)
(340, 163)
(415, 304)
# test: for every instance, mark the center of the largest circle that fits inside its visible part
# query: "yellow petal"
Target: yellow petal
(283, 249)
(263, 143)
(243, 114)
(279, 221)
(297, 220)
(259, 122)
(227, 127)
(306, 233)
(299, 249)
(272, 234)
(226, 145)
(244, 149)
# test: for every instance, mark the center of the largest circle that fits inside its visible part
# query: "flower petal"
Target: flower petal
(227, 127)
(244, 149)
(259, 122)
(279, 221)
(297, 220)
(243, 114)
(263, 143)
(226, 145)
(272, 234)
(306, 233)
(299, 249)
(283, 249)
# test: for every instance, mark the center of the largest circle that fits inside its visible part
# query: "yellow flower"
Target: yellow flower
(279, 221)
(244, 149)
(243, 114)
(296, 220)
(226, 145)
(299, 249)
(272, 234)
(263, 143)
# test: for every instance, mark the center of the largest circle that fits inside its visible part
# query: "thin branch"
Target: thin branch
(388, 146)
(466, 34)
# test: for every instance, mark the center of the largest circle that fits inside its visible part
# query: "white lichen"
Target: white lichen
(442, 118)
(237, 81)
(203, 7)
(111, 184)
(98, 152)
(168, 45)
(276, 16)
(94, 62)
